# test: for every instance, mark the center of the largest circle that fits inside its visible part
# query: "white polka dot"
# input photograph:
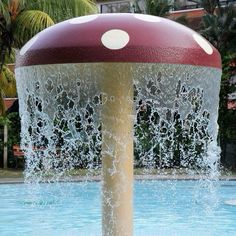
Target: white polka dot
(115, 39)
(147, 18)
(83, 19)
(203, 43)
(28, 45)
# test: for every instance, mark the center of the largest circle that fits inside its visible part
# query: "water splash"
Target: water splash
(175, 118)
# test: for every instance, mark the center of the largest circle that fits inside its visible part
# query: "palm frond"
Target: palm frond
(220, 29)
(29, 23)
(61, 10)
(5, 32)
(4, 13)
(209, 5)
(210, 28)
(7, 82)
(6, 40)
(10, 58)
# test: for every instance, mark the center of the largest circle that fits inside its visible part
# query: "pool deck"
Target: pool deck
(20, 180)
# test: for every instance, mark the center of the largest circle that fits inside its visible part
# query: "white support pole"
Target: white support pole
(117, 150)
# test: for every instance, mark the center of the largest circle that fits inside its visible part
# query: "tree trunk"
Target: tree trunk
(5, 147)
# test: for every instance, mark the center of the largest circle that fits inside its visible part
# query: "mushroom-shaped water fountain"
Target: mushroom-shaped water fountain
(78, 77)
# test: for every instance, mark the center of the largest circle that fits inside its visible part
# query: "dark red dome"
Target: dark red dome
(119, 38)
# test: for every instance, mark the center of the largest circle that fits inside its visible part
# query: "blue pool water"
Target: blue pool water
(160, 208)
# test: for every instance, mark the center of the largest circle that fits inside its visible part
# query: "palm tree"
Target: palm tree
(220, 29)
(20, 20)
(7, 89)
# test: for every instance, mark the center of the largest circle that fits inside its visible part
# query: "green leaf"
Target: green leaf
(61, 10)
(158, 7)
(7, 83)
(10, 58)
(4, 13)
(29, 23)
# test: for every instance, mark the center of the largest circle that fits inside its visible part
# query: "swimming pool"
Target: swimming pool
(160, 208)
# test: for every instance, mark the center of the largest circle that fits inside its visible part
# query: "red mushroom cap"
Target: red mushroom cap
(119, 38)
